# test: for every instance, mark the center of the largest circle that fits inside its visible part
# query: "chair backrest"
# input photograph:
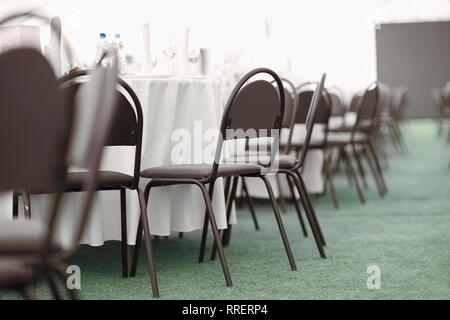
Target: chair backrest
(94, 106)
(337, 109)
(290, 97)
(313, 112)
(304, 103)
(439, 100)
(302, 110)
(128, 118)
(34, 129)
(253, 110)
(355, 103)
(368, 109)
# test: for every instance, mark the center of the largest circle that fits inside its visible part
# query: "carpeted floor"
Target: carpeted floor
(406, 234)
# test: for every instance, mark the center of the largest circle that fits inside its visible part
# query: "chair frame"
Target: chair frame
(294, 174)
(212, 177)
(137, 109)
(49, 261)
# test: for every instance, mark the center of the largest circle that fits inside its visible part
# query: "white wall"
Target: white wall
(321, 35)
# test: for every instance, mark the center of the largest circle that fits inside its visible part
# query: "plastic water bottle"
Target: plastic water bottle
(102, 46)
(120, 54)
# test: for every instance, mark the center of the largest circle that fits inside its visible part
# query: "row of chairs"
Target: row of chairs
(361, 132)
(379, 112)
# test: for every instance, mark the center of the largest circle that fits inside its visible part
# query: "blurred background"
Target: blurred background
(305, 37)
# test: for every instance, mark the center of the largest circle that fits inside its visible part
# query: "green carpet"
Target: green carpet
(406, 234)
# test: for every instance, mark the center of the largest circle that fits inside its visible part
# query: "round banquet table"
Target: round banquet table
(168, 103)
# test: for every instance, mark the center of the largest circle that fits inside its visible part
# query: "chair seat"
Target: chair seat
(284, 161)
(340, 138)
(22, 237)
(105, 179)
(316, 142)
(199, 171)
(14, 274)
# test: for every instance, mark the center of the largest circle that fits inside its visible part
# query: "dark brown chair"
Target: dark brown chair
(323, 115)
(440, 100)
(362, 134)
(127, 131)
(35, 135)
(265, 104)
(393, 112)
(290, 95)
(337, 107)
(290, 166)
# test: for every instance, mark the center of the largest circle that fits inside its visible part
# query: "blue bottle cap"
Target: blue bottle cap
(102, 35)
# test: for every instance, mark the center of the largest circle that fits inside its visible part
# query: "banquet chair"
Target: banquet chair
(362, 135)
(290, 95)
(40, 139)
(355, 103)
(442, 107)
(290, 165)
(127, 125)
(290, 111)
(337, 107)
(258, 98)
(319, 142)
(393, 114)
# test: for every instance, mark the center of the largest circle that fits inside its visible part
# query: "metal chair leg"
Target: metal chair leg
(311, 220)
(212, 220)
(201, 254)
(137, 248)
(378, 166)
(379, 144)
(311, 207)
(28, 292)
(330, 181)
(360, 166)
(26, 204)
(226, 234)
(374, 173)
(297, 206)
(15, 205)
(281, 197)
(123, 225)
(250, 204)
(59, 270)
(52, 284)
(148, 242)
(284, 237)
(355, 177)
(394, 139)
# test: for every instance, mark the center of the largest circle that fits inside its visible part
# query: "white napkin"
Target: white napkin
(184, 53)
(147, 66)
(205, 61)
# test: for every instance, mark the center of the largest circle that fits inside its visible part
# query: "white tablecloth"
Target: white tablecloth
(168, 104)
